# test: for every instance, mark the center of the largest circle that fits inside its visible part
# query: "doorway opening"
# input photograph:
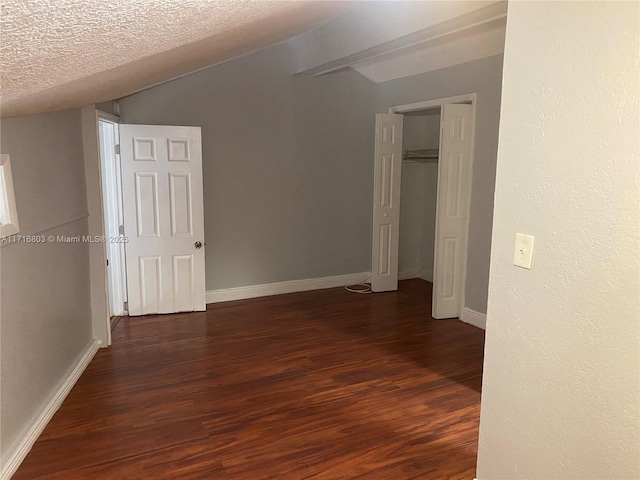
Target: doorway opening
(153, 218)
(422, 195)
(419, 193)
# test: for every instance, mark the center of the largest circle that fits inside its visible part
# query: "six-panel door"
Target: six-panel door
(163, 216)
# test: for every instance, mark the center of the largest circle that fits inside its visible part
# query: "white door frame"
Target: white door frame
(100, 318)
(100, 321)
(113, 217)
(439, 102)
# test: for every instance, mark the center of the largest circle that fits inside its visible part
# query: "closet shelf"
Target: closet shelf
(426, 155)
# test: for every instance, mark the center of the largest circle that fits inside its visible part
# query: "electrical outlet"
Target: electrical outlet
(524, 251)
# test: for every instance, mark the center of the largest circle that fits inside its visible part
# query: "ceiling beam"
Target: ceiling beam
(376, 29)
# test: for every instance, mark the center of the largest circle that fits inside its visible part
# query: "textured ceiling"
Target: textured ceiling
(58, 54)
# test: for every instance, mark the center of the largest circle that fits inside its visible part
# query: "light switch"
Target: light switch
(524, 251)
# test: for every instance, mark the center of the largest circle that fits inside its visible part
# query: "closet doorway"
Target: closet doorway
(422, 191)
(419, 193)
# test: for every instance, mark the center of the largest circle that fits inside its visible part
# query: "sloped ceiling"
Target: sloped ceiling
(57, 54)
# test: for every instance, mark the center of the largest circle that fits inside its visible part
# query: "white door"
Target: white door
(454, 188)
(163, 218)
(386, 202)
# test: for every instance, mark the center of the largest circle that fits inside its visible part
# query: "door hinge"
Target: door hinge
(107, 262)
(126, 306)
(121, 230)
(118, 149)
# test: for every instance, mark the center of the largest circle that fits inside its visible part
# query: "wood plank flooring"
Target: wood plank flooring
(324, 385)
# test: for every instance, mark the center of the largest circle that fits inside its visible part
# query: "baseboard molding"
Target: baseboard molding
(32, 434)
(255, 291)
(474, 318)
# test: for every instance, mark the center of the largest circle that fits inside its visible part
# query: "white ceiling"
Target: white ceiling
(58, 54)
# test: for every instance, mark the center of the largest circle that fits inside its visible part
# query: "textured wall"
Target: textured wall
(483, 77)
(560, 393)
(287, 165)
(44, 301)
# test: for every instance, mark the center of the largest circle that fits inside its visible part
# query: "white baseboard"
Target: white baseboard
(32, 434)
(254, 291)
(474, 318)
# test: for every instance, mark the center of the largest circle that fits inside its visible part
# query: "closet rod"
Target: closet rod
(423, 154)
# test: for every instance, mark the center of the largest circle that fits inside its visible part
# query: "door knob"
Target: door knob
(198, 245)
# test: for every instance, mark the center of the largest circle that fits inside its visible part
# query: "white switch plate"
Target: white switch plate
(524, 251)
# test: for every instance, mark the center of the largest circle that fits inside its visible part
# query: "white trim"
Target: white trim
(97, 251)
(11, 227)
(437, 102)
(107, 117)
(474, 318)
(254, 291)
(113, 212)
(32, 434)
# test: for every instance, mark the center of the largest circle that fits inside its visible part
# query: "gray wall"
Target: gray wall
(483, 77)
(45, 311)
(287, 164)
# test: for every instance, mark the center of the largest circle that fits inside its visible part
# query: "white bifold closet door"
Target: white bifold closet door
(163, 218)
(452, 216)
(386, 202)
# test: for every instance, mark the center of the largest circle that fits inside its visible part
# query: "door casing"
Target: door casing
(111, 183)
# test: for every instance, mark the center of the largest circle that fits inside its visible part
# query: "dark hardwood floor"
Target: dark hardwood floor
(324, 384)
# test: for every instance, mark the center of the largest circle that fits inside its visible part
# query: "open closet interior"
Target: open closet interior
(418, 193)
